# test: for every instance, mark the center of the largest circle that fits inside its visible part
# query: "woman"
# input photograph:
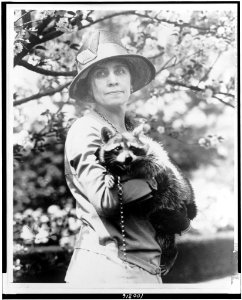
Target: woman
(106, 252)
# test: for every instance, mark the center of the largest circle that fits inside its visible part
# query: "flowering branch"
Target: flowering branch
(196, 88)
(178, 24)
(211, 67)
(176, 63)
(56, 33)
(36, 41)
(23, 15)
(156, 55)
(43, 71)
(48, 92)
(128, 12)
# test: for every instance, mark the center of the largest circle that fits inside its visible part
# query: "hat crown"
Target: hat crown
(100, 37)
(101, 44)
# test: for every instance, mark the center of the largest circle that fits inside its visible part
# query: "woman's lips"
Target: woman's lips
(114, 92)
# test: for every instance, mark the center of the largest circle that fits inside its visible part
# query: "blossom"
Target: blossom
(47, 13)
(60, 13)
(64, 26)
(162, 76)
(22, 138)
(26, 233)
(53, 209)
(18, 47)
(42, 236)
(84, 22)
(17, 266)
(161, 129)
(18, 248)
(44, 219)
(210, 141)
(64, 241)
(37, 213)
(18, 216)
(221, 30)
(74, 223)
(28, 212)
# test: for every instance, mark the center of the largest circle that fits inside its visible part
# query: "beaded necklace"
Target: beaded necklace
(120, 197)
(105, 119)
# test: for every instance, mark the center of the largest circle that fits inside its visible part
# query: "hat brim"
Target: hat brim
(142, 73)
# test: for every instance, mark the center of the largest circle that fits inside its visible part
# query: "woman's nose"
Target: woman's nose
(112, 78)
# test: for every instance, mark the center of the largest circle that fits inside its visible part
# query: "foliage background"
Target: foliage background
(189, 107)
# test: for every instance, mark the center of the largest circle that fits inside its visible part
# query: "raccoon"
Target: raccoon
(134, 155)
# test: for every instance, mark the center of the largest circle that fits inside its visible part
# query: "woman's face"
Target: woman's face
(110, 83)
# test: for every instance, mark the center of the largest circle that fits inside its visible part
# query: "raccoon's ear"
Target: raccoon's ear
(97, 153)
(138, 130)
(106, 134)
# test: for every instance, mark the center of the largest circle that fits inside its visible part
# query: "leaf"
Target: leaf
(40, 47)
(47, 112)
(159, 47)
(74, 46)
(175, 33)
(18, 28)
(41, 63)
(15, 96)
(89, 19)
(70, 13)
(79, 13)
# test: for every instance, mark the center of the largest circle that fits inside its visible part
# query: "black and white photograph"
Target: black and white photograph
(122, 163)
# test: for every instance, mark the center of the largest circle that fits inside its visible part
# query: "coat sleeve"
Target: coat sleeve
(81, 144)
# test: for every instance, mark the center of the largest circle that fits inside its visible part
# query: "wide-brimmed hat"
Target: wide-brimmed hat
(104, 45)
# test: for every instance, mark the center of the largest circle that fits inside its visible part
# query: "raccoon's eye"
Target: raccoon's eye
(133, 148)
(118, 148)
(137, 151)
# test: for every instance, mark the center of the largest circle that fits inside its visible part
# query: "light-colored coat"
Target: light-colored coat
(98, 206)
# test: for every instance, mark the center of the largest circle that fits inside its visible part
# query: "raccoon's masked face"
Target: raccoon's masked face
(119, 151)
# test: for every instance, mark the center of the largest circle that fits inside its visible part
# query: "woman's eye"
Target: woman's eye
(121, 70)
(100, 74)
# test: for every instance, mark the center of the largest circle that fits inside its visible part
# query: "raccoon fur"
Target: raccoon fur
(134, 155)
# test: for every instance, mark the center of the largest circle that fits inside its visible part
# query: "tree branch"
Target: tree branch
(36, 41)
(166, 66)
(226, 94)
(45, 72)
(128, 12)
(54, 34)
(205, 76)
(50, 36)
(173, 22)
(224, 102)
(48, 92)
(197, 89)
(23, 15)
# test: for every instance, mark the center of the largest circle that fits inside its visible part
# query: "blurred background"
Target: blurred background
(189, 107)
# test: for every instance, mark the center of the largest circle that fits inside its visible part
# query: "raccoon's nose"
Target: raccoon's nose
(128, 160)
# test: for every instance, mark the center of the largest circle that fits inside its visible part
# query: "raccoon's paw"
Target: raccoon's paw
(109, 181)
(191, 210)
